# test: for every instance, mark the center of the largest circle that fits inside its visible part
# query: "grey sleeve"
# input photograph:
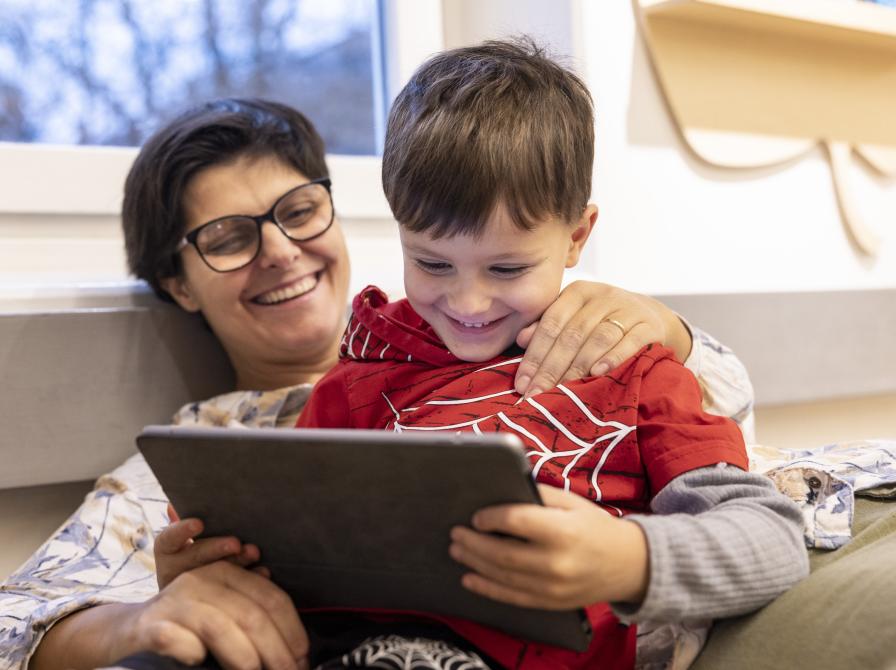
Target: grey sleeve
(722, 542)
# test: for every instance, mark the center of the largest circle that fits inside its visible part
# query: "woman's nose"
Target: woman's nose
(277, 250)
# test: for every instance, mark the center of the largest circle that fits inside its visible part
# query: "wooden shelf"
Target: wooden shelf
(852, 19)
(814, 69)
(759, 82)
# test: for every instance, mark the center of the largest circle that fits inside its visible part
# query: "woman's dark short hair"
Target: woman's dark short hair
(215, 133)
(475, 126)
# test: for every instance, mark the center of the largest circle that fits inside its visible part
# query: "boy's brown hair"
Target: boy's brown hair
(477, 126)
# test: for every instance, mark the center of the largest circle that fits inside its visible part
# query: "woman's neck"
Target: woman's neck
(274, 374)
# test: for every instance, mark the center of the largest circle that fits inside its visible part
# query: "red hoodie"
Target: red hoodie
(616, 439)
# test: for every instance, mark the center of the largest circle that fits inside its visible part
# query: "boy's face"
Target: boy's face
(478, 293)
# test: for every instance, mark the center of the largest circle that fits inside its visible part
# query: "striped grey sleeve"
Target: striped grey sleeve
(722, 542)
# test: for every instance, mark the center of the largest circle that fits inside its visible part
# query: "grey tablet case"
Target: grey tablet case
(356, 519)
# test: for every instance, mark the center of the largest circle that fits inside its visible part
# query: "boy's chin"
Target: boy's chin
(478, 353)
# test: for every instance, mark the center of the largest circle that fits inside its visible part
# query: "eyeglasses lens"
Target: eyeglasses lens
(228, 243)
(304, 212)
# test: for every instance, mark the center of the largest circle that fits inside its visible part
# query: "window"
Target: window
(76, 180)
(108, 72)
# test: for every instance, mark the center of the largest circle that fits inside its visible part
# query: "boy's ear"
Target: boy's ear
(580, 234)
(179, 289)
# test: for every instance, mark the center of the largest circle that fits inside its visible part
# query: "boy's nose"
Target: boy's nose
(277, 250)
(467, 302)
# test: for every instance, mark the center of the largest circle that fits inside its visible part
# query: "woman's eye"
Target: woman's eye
(509, 271)
(296, 216)
(432, 267)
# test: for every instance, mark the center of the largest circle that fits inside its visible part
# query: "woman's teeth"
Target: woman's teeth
(301, 287)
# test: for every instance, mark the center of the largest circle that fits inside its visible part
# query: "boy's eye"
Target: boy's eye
(508, 271)
(433, 267)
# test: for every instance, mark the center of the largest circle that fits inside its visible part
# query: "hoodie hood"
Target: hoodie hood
(379, 330)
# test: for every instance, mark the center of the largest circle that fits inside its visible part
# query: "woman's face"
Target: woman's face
(280, 317)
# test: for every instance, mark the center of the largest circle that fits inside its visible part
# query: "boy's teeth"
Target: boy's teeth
(295, 290)
(475, 325)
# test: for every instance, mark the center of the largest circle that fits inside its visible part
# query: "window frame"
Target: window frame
(88, 180)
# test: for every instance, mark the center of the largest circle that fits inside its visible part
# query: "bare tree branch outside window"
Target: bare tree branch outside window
(109, 72)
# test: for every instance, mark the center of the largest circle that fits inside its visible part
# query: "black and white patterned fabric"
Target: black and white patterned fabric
(395, 652)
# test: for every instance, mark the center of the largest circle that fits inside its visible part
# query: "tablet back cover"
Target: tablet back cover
(356, 519)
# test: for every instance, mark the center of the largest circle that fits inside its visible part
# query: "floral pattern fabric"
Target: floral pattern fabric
(824, 482)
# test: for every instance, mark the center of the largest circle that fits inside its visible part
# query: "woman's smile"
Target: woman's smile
(289, 291)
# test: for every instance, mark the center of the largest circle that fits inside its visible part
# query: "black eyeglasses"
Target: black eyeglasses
(232, 242)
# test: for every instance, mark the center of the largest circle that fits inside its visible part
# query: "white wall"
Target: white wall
(672, 224)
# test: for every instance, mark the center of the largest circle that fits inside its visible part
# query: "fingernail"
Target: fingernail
(523, 383)
(600, 369)
(534, 391)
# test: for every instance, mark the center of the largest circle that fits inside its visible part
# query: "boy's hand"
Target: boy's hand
(177, 551)
(576, 336)
(570, 554)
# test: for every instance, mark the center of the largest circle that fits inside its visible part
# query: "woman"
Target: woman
(89, 595)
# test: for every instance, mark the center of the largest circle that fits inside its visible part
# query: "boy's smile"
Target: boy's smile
(477, 293)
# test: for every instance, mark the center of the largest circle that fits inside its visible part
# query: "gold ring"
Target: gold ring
(617, 324)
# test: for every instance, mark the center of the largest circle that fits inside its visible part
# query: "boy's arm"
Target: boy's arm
(674, 434)
(731, 543)
(723, 542)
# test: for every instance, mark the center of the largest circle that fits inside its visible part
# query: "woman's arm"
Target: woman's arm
(724, 382)
(591, 328)
(243, 619)
(102, 554)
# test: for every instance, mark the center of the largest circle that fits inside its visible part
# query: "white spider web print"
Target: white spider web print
(394, 652)
(541, 454)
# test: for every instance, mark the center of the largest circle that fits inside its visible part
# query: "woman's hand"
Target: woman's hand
(589, 330)
(240, 617)
(569, 554)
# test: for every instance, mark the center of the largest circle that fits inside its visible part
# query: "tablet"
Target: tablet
(356, 518)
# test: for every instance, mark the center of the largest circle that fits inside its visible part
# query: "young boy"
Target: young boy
(487, 167)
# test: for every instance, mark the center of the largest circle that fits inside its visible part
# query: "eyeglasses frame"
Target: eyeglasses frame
(268, 217)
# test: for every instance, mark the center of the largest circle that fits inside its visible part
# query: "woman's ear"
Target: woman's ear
(580, 234)
(178, 288)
